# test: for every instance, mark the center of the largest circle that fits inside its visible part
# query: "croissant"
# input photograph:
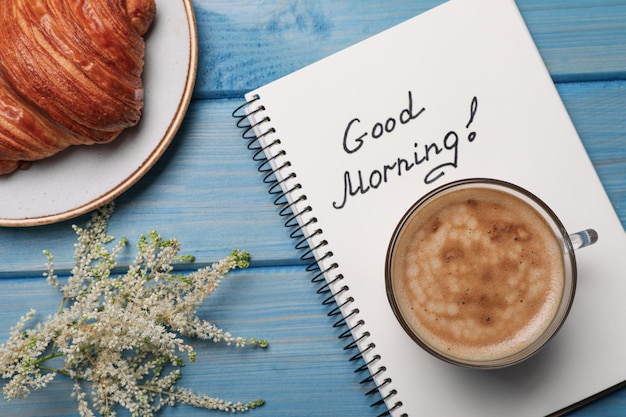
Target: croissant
(70, 74)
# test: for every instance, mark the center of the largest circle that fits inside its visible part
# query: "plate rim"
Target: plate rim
(149, 162)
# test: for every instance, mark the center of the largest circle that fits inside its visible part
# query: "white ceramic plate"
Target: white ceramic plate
(83, 178)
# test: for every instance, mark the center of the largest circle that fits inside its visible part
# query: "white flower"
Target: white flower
(120, 334)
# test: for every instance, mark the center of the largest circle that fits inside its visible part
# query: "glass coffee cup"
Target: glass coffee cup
(481, 273)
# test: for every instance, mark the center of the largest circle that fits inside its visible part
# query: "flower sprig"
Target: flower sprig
(121, 337)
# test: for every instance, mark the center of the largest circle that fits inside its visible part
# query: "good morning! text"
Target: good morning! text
(361, 182)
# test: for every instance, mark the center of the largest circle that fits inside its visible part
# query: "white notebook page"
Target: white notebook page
(459, 91)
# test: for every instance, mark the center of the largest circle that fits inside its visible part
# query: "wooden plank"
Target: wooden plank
(603, 132)
(304, 363)
(249, 45)
(206, 190)
(588, 104)
(581, 39)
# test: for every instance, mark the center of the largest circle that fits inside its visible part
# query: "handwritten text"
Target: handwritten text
(444, 153)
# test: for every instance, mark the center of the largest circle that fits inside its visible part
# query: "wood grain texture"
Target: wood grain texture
(304, 365)
(206, 191)
(247, 46)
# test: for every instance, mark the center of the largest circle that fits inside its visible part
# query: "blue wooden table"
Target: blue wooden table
(206, 191)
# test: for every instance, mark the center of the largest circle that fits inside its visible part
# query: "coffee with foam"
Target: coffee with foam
(477, 274)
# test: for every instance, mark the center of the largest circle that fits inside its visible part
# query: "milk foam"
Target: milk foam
(478, 274)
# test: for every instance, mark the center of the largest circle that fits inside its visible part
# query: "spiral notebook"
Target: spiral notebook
(349, 143)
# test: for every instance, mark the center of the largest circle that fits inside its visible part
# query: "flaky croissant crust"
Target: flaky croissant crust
(70, 74)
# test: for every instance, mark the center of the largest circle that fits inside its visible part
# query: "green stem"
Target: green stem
(61, 371)
(46, 358)
(40, 363)
(63, 301)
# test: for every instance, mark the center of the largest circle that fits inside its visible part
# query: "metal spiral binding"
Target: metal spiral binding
(250, 132)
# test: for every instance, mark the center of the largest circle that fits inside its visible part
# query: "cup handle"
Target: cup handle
(584, 238)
